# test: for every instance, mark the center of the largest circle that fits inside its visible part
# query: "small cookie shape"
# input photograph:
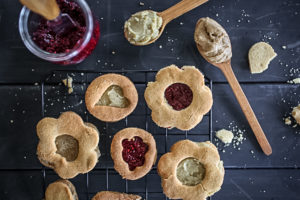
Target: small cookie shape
(67, 144)
(109, 195)
(61, 190)
(178, 97)
(111, 97)
(260, 55)
(191, 170)
(133, 151)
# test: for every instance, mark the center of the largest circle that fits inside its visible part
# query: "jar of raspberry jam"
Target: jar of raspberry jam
(71, 46)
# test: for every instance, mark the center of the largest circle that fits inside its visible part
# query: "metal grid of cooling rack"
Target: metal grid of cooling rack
(85, 78)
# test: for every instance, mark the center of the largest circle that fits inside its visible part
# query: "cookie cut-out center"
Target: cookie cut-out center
(113, 96)
(179, 96)
(134, 152)
(67, 146)
(190, 172)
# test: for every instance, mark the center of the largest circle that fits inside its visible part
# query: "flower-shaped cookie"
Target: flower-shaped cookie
(67, 144)
(178, 97)
(191, 170)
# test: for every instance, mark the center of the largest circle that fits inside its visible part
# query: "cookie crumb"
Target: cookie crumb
(225, 136)
(68, 82)
(296, 113)
(283, 47)
(288, 121)
(141, 3)
(294, 81)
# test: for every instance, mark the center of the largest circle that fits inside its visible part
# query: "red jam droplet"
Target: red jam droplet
(179, 96)
(134, 152)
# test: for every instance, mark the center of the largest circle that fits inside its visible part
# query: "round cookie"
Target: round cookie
(109, 195)
(67, 144)
(133, 151)
(61, 190)
(111, 97)
(191, 170)
(171, 101)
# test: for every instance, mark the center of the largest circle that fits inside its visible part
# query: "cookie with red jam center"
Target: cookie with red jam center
(178, 97)
(133, 151)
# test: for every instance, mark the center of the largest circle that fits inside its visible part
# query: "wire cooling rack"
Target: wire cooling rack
(103, 177)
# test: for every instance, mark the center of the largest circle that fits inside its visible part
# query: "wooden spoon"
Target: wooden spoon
(173, 12)
(226, 68)
(47, 8)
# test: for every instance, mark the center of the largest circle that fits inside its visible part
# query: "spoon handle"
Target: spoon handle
(47, 8)
(180, 8)
(242, 99)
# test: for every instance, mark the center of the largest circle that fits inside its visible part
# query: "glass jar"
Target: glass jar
(29, 21)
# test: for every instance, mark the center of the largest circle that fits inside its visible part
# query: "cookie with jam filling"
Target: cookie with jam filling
(133, 151)
(178, 97)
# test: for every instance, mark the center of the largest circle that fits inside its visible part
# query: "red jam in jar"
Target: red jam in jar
(179, 96)
(134, 152)
(54, 42)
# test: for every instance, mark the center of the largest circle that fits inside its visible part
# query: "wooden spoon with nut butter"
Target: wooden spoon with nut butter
(226, 68)
(171, 13)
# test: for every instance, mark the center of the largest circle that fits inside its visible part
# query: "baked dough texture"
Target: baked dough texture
(61, 190)
(296, 113)
(116, 153)
(213, 40)
(162, 113)
(99, 86)
(109, 195)
(69, 123)
(260, 55)
(209, 157)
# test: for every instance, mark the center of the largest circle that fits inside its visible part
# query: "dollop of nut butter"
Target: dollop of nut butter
(190, 172)
(113, 96)
(143, 27)
(213, 40)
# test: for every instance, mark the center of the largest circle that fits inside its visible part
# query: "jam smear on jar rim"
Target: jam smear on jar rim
(179, 96)
(134, 152)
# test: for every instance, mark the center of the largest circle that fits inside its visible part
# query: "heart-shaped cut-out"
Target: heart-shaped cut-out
(113, 96)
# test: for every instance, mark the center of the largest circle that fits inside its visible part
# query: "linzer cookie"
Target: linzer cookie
(178, 97)
(134, 152)
(111, 97)
(67, 144)
(191, 170)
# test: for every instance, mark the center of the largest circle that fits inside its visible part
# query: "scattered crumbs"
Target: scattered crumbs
(283, 137)
(181, 23)
(113, 52)
(141, 3)
(217, 14)
(36, 84)
(177, 58)
(160, 46)
(25, 157)
(98, 61)
(251, 151)
(283, 47)
(32, 70)
(11, 121)
(82, 74)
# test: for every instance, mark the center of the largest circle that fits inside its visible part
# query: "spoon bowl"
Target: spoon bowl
(171, 13)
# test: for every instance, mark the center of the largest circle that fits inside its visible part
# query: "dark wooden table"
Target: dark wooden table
(249, 173)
